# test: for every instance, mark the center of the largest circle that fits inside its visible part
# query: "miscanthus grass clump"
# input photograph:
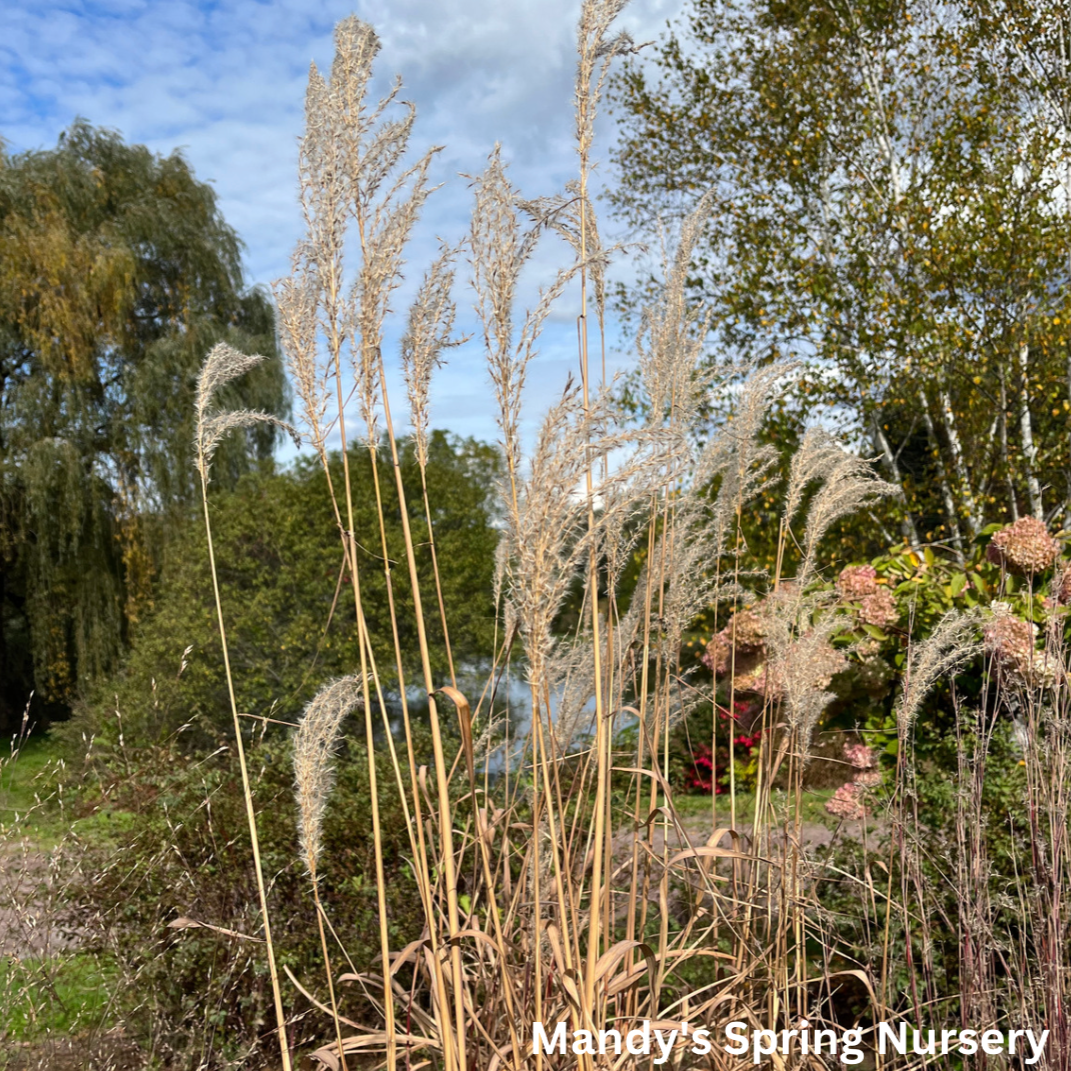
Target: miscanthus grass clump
(554, 874)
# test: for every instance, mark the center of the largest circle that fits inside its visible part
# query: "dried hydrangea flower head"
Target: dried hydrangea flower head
(739, 649)
(1012, 646)
(846, 802)
(879, 609)
(1061, 588)
(745, 632)
(1024, 547)
(857, 581)
(860, 756)
(865, 761)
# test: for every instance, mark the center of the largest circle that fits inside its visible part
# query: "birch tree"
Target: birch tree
(891, 190)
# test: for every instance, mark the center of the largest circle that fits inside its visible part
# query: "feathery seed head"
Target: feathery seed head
(595, 52)
(952, 644)
(315, 742)
(847, 484)
(672, 335)
(223, 364)
(431, 319)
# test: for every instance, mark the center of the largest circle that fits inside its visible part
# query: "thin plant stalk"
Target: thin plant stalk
(445, 818)
(247, 795)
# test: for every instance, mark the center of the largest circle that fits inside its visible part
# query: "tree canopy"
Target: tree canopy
(889, 184)
(117, 273)
(290, 622)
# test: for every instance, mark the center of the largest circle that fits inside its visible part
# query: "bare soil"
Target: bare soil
(32, 902)
(106, 1052)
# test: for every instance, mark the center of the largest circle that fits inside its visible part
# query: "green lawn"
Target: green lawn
(37, 789)
(699, 806)
(31, 778)
(68, 991)
(63, 994)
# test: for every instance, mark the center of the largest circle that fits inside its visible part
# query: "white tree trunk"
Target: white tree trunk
(946, 489)
(1005, 460)
(974, 520)
(892, 467)
(1026, 431)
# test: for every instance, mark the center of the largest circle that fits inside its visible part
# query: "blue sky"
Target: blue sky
(225, 83)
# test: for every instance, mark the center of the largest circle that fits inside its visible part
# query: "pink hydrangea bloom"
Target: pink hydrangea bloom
(745, 635)
(859, 755)
(846, 802)
(857, 581)
(878, 608)
(1061, 588)
(1024, 547)
(1011, 642)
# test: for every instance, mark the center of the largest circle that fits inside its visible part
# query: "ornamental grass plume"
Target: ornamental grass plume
(1024, 547)
(951, 645)
(847, 484)
(222, 365)
(431, 322)
(671, 340)
(548, 534)
(801, 668)
(315, 743)
(499, 249)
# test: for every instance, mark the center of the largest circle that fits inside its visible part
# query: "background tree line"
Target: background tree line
(117, 274)
(889, 183)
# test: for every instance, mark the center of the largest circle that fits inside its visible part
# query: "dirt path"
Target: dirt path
(695, 831)
(105, 1052)
(32, 902)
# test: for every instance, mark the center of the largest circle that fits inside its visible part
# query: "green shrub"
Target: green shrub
(201, 997)
(288, 603)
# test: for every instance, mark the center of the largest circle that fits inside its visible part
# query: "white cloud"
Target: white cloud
(225, 81)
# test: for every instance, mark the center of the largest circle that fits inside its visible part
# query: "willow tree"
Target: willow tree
(117, 273)
(889, 207)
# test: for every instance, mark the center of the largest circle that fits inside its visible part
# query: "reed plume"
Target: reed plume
(222, 365)
(954, 642)
(848, 483)
(315, 743)
(428, 334)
